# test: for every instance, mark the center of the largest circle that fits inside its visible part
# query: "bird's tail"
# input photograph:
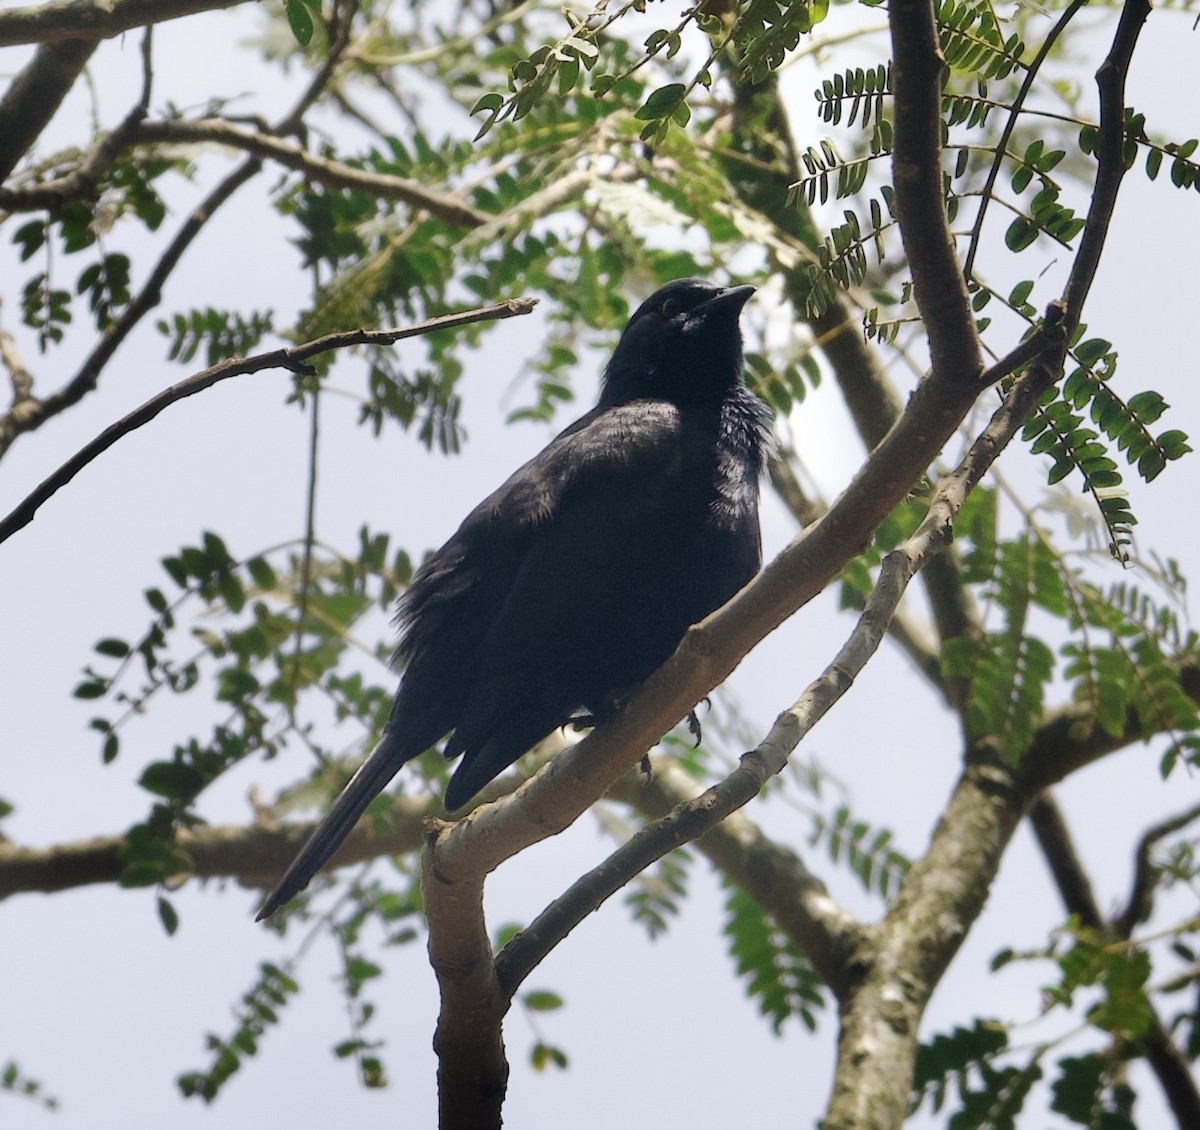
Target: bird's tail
(370, 779)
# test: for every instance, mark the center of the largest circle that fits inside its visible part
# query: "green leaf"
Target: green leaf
(541, 1000)
(491, 102)
(1020, 234)
(167, 916)
(300, 21)
(661, 103)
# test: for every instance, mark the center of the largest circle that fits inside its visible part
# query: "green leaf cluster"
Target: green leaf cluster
(778, 976)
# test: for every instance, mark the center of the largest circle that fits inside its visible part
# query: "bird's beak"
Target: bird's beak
(734, 298)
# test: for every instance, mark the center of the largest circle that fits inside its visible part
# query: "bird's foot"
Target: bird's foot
(693, 721)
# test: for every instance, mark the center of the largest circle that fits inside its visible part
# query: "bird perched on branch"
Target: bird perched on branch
(569, 585)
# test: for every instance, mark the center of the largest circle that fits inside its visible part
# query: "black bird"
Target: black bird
(564, 589)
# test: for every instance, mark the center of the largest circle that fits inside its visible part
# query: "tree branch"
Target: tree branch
(1170, 1066)
(294, 358)
(1140, 903)
(255, 856)
(472, 1068)
(20, 377)
(465, 852)
(762, 130)
(320, 170)
(1010, 124)
(35, 95)
(926, 924)
(34, 412)
(938, 287)
(1110, 157)
(92, 20)
(1074, 886)
(771, 874)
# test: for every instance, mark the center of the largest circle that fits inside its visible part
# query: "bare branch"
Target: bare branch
(770, 873)
(1053, 837)
(1146, 876)
(1031, 73)
(293, 358)
(320, 170)
(255, 856)
(1110, 157)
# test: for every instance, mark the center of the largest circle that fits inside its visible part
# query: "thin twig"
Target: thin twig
(1140, 903)
(1110, 157)
(1010, 124)
(293, 358)
(315, 168)
(310, 537)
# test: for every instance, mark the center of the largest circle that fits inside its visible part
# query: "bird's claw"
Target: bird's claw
(693, 721)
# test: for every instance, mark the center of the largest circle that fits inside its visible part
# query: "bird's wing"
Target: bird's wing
(599, 516)
(608, 457)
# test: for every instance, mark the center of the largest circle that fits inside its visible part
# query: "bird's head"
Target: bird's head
(682, 344)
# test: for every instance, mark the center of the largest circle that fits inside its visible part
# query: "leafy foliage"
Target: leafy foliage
(867, 852)
(777, 974)
(223, 333)
(260, 1009)
(15, 1082)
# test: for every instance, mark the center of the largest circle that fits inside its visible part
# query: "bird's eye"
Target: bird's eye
(671, 307)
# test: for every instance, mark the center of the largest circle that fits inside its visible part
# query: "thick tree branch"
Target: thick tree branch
(294, 358)
(942, 896)
(81, 20)
(255, 856)
(763, 132)
(1071, 737)
(472, 1068)
(34, 96)
(938, 286)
